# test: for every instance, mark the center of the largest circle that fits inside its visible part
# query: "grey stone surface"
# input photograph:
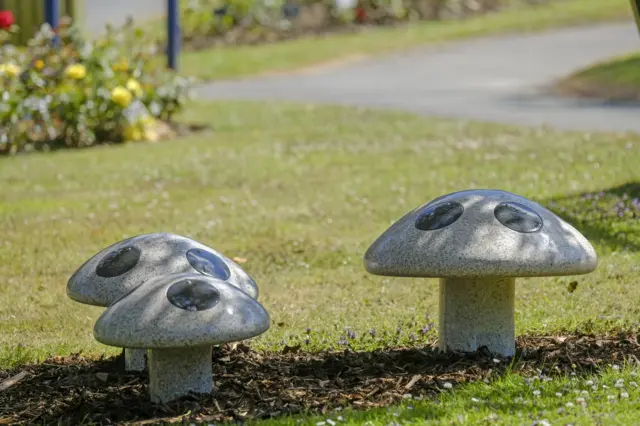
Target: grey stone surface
(137, 259)
(179, 317)
(499, 79)
(477, 243)
(476, 312)
(135, 359)
(174, 373)
(205, 311)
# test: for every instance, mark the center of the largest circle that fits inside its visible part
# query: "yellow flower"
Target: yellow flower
(134, 87)
(123, 65)
(147, 120)
(121, 96)
(132, 133)
(38, 65)
(76, 71)
(10, 69)
(150, 134)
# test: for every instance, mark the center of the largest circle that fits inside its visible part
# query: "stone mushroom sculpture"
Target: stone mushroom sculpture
(178, 318)
(123, 266)
(477, 242)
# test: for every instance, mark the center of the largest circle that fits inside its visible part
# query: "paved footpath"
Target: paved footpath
(100, 12)
(491, 79)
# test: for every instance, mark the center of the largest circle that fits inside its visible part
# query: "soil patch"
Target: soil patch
(252, 385)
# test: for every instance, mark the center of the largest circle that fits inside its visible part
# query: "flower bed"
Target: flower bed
(215, 22)
(64, 91)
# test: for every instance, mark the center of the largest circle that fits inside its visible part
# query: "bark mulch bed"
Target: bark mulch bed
(252, 385)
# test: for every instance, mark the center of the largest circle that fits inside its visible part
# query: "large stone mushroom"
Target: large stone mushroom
(123, 266)
(178, 318)
(477, 242)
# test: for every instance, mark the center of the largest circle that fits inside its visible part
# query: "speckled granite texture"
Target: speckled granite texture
(477, 312)
(178, 317)
(202, 311)
(478, 233)
(123, 266)
(174, 373)
(135, 359)
(477, 242)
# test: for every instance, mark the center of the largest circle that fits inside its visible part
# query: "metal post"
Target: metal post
(173, 33)
(52, 12)
(635, 5)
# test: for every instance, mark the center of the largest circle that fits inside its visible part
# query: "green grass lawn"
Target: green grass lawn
(301, 192)
(616, 79)
(239, 61)
(609, 398)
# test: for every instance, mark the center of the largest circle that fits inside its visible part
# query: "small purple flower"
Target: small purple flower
(351, 334)
(372, 332)
(308, 330)
(343, 341)
(426, 328)
(307, 341)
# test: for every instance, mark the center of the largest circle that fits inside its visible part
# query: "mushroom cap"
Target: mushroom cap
(123, 266)
(181, 310)
(479, 233)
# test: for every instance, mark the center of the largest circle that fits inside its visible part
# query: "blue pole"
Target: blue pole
(173, 33)
(52, 12)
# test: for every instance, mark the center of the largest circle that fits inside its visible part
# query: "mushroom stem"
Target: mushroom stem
(135, 359)
(175, 372)
(476, 312)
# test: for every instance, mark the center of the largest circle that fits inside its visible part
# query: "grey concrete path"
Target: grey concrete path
(100, 12)
(491, 79)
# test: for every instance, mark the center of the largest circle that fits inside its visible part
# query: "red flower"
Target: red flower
(361, 14)
(6, 19)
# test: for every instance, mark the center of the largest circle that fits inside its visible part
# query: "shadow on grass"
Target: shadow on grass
(609, 217)
(559, 93)
(251, 385)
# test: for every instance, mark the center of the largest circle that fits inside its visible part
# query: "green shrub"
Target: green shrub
(64, 91)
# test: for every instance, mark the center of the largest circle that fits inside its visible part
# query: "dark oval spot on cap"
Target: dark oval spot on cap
(518, 217)
(438, 216)
(118, 262)
(208, 263)
(193, 295)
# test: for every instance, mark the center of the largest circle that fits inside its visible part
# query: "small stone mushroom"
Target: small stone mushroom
(121, 267)
(178, 318)
(477, 242)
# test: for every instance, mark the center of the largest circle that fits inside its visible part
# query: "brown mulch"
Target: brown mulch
(250, 385)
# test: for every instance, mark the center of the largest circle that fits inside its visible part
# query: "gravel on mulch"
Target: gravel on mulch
(252, 385)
